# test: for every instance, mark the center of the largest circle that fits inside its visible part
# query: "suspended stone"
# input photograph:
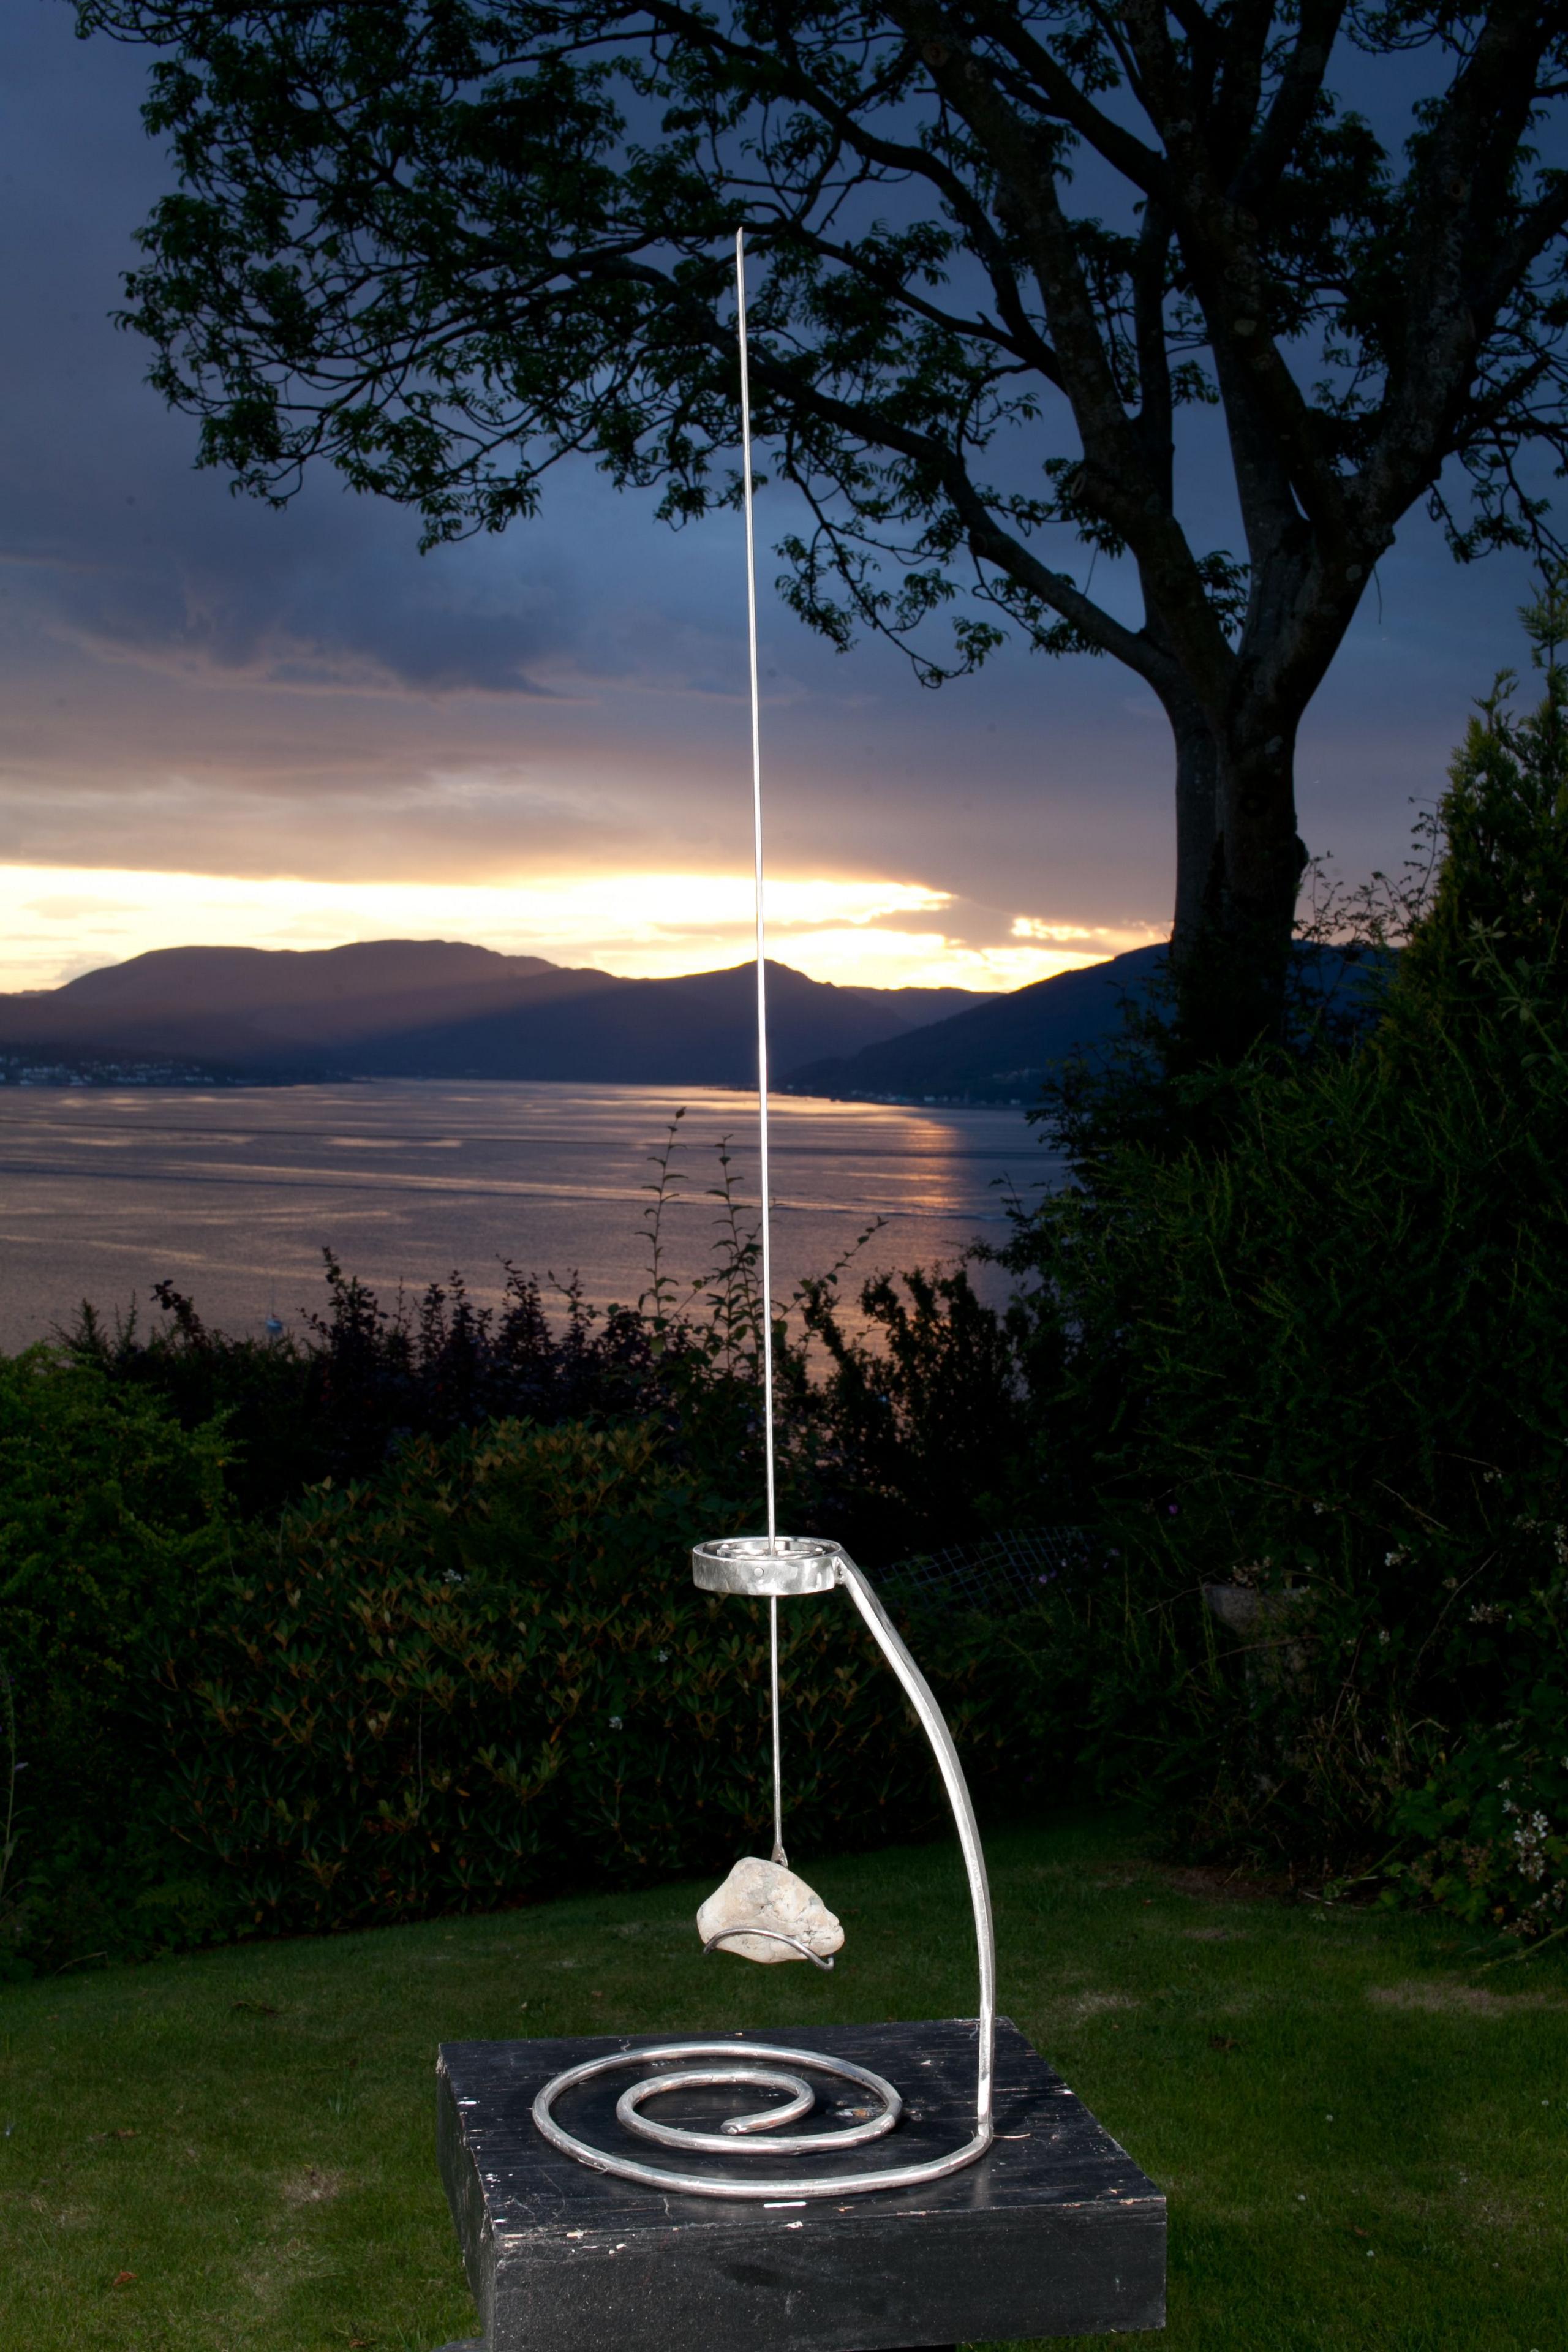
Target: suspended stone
(765, 1912)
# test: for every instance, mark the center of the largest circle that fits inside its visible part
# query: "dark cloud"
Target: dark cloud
(190, 679)
(126, 549)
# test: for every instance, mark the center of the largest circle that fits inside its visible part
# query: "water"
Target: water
(231, 1195)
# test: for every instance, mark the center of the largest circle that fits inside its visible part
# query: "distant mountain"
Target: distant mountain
(438, 1008)
(997, 1050)
(283, 1008)
(915, 1006)
(699, 1030)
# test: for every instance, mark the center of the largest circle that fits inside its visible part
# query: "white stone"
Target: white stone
(765, 1894)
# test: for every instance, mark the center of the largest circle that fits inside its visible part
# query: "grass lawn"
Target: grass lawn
(1365, 2143)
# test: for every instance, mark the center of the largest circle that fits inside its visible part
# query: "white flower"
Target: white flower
(1530, 1840)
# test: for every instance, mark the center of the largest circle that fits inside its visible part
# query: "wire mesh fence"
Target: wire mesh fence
(998, 1573)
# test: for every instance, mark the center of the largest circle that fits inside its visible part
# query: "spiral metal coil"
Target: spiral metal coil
(760, 2131)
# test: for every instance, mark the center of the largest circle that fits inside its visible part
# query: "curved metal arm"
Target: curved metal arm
(934, 1723)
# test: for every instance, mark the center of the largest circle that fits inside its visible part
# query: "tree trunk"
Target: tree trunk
(1197, 825)
(1239, 861)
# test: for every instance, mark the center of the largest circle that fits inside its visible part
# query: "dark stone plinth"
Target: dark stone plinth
(1054, 2232)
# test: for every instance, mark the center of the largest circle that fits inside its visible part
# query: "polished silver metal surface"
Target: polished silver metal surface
(934, 1723)
(729, 1935)
(775, 2190)
(763, 1568)
(757, 2133)
(747, 1560)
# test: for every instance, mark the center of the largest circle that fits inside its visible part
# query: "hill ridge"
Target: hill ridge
(442, 1009)
(998, 1051)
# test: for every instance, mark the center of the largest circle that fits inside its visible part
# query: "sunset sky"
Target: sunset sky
(221, 723)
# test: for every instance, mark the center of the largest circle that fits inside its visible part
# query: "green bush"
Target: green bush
(914, 1436)
(1323, 1361)
(335, 1398)
(112, 1528)
(1484, 1835)
(488, 1673)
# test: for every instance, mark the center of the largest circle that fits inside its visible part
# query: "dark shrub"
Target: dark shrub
(1324, 1359)
(335, 1399)
(111, 1529)
(489, 1674)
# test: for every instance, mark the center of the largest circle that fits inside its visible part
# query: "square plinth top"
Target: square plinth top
(1054, 2231)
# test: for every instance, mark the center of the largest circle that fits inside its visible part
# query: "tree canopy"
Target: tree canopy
(1003, 246)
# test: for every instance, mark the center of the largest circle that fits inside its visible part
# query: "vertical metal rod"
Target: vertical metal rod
(779, 1853)
(763, 1174)
(767, 1268)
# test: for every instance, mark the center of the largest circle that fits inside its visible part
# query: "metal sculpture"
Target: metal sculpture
(772, 1568)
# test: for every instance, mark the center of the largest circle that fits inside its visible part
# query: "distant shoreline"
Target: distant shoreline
(64, 1077)
(17, 1070)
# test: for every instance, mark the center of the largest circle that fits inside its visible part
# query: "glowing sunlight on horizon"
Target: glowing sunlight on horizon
(59, 921)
